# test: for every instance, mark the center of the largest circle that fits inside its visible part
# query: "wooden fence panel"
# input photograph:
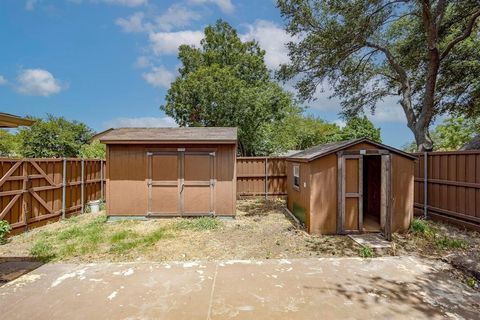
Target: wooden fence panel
(261, 176)
(453, 186)
(31, 190)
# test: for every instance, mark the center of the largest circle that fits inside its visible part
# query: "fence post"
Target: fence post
(64, 187)
(82, 193)
(101, 180)
(425, 184)
(266, 178)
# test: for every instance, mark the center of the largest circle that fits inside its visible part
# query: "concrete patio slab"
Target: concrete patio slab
(372, 240)
(331, 288)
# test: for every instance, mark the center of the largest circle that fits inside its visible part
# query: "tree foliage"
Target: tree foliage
(452, 134)
(426, 53)
(93, 150)
(53, 137)
(298, 132)
(225, 82)
(360, 127)
(8, 144)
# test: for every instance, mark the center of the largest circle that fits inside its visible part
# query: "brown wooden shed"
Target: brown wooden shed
(170, 171)
(351, 187)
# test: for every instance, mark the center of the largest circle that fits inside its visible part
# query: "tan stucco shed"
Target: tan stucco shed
(351, 186)
(170, 171)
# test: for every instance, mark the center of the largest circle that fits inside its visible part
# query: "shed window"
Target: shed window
(296, 176)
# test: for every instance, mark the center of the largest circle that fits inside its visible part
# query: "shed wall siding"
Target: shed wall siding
(127, 174)
(300, 196)
(323, 216)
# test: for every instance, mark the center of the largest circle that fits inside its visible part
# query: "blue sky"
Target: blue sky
(109, 62)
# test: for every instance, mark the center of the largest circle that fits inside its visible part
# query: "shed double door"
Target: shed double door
(181, 183)
(351, 192)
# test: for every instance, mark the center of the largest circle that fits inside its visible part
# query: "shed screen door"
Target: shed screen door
(351, 190)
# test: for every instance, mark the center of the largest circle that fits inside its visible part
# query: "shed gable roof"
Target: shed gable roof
(185, 134)
(328, 148)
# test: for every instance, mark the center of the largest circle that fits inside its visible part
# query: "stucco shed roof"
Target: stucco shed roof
(328, 148)
(173, 135)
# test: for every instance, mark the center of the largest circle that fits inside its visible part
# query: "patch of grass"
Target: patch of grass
(69, 233)
(155, 236)
(420, 227)
(122, 235)
(43, 251)
(445, 242)
(4, 230)
(197, 224)
(365, 252)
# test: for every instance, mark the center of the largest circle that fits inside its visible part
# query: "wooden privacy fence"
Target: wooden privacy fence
(33, 191)
(261, 176)
(452, 188)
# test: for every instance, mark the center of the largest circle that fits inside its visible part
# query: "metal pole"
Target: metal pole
(425, 184)
(266, 179)
(64, 187)
(101, 180)
(83, 186)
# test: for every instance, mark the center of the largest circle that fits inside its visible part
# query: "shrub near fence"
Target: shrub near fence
(34, 191)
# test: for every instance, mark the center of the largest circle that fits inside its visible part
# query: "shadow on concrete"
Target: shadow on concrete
(429, 294)
(13, 267)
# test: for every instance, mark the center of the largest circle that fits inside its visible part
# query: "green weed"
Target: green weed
(472, 282)
(420, 226)
(197, 224)
(4, 230)
(450, 243)
(365, 252)
(43, 251)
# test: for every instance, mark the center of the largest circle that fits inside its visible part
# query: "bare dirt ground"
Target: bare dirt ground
(261, 230)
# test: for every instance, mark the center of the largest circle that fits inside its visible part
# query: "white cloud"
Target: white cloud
(127, 3)
(143, 62)
(159, 77)
(134, 23)
(176, 16)
(37, 82)
(145, 122)
(388, 110)
(2, 80)
(30, 5)
(225, 5)
(272, 38)
(168, 42)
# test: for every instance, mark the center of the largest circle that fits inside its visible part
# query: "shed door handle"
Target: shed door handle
(183, 185)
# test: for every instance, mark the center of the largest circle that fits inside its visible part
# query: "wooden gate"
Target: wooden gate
(34, 191)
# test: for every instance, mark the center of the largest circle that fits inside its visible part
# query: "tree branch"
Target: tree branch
(466, 33)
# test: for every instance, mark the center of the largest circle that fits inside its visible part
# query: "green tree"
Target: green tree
(452, 134)
(298, 132)
(53, 137)
(8, 144)
(93, 150)
(360, 127)
(225, 82)
(426, 53)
